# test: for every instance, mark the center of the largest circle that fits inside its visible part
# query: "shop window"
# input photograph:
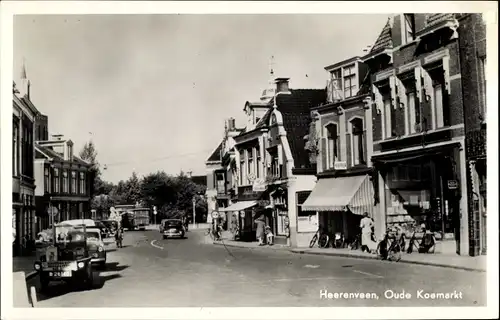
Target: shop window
(57, 187)
(357, 141)
(332, 144)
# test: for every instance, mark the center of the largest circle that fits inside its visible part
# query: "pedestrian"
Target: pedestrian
(269, 236)
(260, 230)
(366, 232)
(234, 226)
(119, 238)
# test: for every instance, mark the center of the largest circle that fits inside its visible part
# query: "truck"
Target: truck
(136, 218)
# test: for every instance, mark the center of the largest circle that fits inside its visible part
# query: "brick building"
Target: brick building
(24, 113)
(472, 47)
(342, 133)
(418, 128)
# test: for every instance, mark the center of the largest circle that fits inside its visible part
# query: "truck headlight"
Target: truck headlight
(37, 266)
(81, 265)
(100, 249)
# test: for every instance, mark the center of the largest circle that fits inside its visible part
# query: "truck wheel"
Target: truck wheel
(44, 283)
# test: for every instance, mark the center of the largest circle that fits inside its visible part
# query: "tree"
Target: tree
(89, 154)
(133, 192)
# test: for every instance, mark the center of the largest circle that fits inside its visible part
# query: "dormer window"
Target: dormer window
(409, 28)
(350, 86)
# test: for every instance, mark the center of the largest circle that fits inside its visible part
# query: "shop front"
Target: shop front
(277, 218)
(423, 188)
(339, 204)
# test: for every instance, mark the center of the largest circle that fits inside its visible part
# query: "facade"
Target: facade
(271, 166)
(341, 139)
(418, 128)
(472, 47)
(63, 182)
(24, 224)
(213, 166)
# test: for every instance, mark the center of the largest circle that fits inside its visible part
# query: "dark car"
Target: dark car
(172, 228)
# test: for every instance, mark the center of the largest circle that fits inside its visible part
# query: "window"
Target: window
(250, 168)
(57, 180)
(275, 167)
(482, 86)
(332, 145)
(409, 28)
(242, 166)
(258, 163)
(15, 147)
(350, 87)
(413, 113)
(46, 179)
(82, 183)
(357, 141)
(390, 119)
(73, 182)
(65, 181)
(438, 102)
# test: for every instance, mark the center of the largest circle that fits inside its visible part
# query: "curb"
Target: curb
(274, 248)
(424, 263)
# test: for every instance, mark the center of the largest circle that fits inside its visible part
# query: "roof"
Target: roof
(215, 156)
(384, 40)
(296, 112)
(43, 152)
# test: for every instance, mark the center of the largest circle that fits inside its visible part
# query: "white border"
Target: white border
(117, 7)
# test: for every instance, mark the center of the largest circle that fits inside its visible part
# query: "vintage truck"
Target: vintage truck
(66, 257)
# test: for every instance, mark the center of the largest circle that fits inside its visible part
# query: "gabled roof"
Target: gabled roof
(42, 152)
(384, 40)
(215, 156)
(296, 112)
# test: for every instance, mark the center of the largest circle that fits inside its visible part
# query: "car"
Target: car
(67, 259)
(96, 247)
(172, 228)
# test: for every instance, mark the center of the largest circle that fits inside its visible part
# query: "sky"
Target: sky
(153, 91)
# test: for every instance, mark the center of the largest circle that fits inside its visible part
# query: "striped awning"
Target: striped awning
(238, 206)
(335, 194)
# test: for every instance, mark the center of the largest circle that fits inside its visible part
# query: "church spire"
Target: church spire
(271, 87)
(25, 84)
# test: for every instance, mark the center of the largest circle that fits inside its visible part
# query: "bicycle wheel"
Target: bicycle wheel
(313, 241)
(323, 241)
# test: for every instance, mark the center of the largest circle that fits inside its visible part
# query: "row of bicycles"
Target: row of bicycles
(389, 248)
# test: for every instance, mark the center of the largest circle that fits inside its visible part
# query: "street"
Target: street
(152, 272)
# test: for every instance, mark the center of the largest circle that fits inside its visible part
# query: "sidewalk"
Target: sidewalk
(439, 260)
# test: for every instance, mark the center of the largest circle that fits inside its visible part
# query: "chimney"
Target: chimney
(282, 84)
(231, 124)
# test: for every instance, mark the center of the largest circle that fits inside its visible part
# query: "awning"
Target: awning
(334, 194)
(238, 206)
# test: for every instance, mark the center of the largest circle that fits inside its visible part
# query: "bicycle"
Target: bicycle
(320, 237)
(355, 243)
(391, 252)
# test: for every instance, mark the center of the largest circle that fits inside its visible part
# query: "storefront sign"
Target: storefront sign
(307, 224)
(452, 184)
(259, 185)
(215, 214)
(340, 165)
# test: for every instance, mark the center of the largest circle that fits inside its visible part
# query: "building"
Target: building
(341, 138)
(24, 223)
(63, 180)
(271, 166)
(472, 48)
(418, 128)
(213, 167)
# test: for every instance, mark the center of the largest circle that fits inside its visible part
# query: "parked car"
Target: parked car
(96, 247)
(172, 228)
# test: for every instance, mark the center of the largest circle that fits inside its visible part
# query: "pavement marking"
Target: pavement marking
(154, 245)
(368, 274)
(313, 266)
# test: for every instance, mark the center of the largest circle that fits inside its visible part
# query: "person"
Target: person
(260, 230)
(269, 236)
(119, 238)
(366, 232)
(234, 226)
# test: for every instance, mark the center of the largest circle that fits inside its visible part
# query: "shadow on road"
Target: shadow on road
(114, 266)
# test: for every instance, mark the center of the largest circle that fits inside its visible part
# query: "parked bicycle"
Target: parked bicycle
(390, 247)
(354, 243)
(321, 237)
(426, 245)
